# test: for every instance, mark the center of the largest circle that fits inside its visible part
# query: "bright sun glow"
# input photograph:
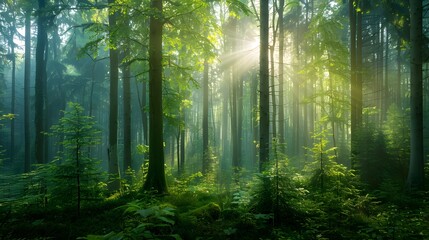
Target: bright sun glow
(246, 55)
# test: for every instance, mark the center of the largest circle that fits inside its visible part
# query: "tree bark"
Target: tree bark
(255, 132)
(206, 157)
(264, 102)
(415, 179)
(144, 114)
(27, 64)
(40, 80)
(127, 116)
(113, 166)
(182, 147)
(126, 88)
(397, 94)
(355, 76)
(155, 179)
(13, 96)
(281, 122)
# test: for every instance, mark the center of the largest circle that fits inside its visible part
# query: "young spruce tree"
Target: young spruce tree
(75, 174)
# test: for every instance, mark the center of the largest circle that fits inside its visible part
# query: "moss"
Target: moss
(207, 213)
(199, 222)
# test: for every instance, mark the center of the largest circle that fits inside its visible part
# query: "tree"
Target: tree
(155, 179)
(12, 34)
(127, 100)
(27, 138)
(415, 179)
(281, 123)
(114, 183)
(41, 49)
(206, 153)
(355, 73)
(264, 102)
(78, 134)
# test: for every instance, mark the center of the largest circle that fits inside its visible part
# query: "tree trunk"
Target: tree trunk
(13, 100)
(281, 122)
(272, 76)
(40, 80)
(127, 116)
(296, 114)
(179, 165)
(273, 92)
(380, 77)
(144, 114)
(113, 166)
(387, 100)
(27, 63)
(353, 81)
(155, 179)
(415, 179)
(225, 140)
(254, 99)
(398, 98)
(264, 102)
(182, 147)
(359, 70)
(126, 88)
(206, 157)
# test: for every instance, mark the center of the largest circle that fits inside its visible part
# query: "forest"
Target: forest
(214, 119)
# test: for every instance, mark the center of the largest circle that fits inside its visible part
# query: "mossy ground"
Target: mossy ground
(200, 214)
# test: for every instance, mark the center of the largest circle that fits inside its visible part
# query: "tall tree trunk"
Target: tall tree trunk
(273, 92)
(27, 64)
(155, 179)
(353, 81)
(281, 122)
(272, 75)
(206, 157)
(144, 114)
(415, 179)
(234, 81)
(359, 69)
(254, 100)
(40, 80)
(179, 165)
(225, 125)
(126, 88)
(296, 113)
(380, 77)
(239, 120)
(264, 102)
(182, 146)
(113, 166)
(127, 115)
(13, 100)
(398, 98)
(387, 100)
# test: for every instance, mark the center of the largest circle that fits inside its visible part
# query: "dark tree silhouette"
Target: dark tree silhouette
(155, 179)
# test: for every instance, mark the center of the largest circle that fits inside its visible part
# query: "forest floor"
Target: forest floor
(205, 212)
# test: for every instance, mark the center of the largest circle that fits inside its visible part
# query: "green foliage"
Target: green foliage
(208, 213)
(397, 132)
(199, 222)
(279, 193)
(144, 221)
(74, 174)
(326, 174)
(373, 160)
(384, 161)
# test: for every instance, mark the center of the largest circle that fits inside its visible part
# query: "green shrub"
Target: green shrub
(144, 221)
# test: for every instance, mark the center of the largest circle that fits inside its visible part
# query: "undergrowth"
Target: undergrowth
(276, 204)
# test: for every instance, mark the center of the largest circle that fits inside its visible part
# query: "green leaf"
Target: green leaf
(166, 220)
(146, 212)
